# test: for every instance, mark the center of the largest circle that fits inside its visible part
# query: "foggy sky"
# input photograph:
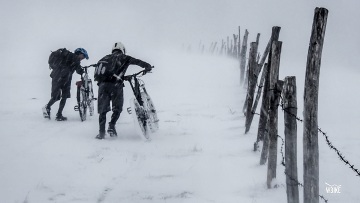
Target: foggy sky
(167, 24)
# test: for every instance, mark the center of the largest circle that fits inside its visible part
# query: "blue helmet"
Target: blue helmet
(82, 51)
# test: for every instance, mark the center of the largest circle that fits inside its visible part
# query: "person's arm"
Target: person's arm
(79, 70)
(143, 64)
(76, 65)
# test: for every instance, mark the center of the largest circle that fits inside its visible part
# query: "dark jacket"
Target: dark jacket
(67, 68)
(122, 62)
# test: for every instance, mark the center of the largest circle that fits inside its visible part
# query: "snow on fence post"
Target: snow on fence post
(243, 57)
(274, 96)
(252, 80)
(310, 134)
(290, 113)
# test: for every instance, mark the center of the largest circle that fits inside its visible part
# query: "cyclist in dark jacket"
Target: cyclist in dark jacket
(61, 81)
(111, 89)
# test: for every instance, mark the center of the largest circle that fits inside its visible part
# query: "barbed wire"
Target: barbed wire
(290, 177)
(328, 142)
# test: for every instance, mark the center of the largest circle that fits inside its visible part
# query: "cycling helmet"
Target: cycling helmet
(82, 51)
(119, 46)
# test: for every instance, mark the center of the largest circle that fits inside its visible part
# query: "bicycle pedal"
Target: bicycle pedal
(129, 110)
(76, 108)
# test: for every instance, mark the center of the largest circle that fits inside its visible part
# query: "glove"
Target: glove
(148, 68)
(127, 78)
(80, 71)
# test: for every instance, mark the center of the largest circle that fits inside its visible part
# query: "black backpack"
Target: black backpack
(105, 68)
(58, 58)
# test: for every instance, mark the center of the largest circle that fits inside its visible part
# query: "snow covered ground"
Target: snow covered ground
(200, 153)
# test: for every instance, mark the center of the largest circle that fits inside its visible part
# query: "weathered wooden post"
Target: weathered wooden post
(265, 148)
(274, 96)
(265, 101)
(258, 94)
(311, 92)
(257, 39)
(239, 45)
(252, 80)
(228, 46)
(223, 45)
(243, 57)
(290, 114)
(235, 46)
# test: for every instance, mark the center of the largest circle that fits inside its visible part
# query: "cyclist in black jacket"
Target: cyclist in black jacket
(111, 87)
(61, 81)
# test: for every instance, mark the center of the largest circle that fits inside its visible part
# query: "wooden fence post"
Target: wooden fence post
(258, 94)
(239, 46)
(235, 46)
(274, 96)
(257, 39)
(243, 57)
(265, 101)
(252, 80)
(290, 114)
(274, 37)
(310, 136)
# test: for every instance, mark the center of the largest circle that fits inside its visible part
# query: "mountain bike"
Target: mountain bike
(142, 107)
(85, 95)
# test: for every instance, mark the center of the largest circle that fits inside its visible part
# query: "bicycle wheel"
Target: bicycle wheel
(140, 118)
(91, 99)
(81, 95)
(153, 118)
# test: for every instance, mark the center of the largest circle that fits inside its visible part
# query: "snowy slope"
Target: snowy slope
(200, 153)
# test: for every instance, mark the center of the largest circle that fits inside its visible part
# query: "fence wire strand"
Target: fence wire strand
(290, 177)
(328, 142)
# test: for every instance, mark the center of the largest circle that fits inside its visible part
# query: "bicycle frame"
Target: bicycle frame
(136, 86)
(85, 81)
(85, 95)
(142, 106)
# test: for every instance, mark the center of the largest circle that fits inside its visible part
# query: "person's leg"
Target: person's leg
(51, 102)
(117, 105)
(65, 94)
(61, 105)
(55, 96)
(102, 122)
(103, 108)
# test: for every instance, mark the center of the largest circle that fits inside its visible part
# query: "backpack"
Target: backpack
(105, 68)
(58, 58)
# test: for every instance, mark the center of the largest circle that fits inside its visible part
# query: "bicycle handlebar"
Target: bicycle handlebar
(92, 65)
(128, 77)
